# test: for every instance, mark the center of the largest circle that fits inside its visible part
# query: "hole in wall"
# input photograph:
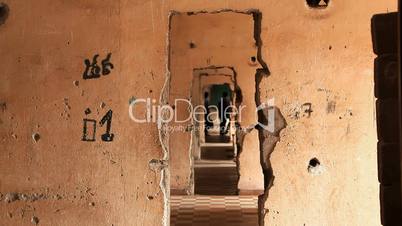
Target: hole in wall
(3, 12)
(315, 167)
(253, 61)
(36, 137)
(317, 3)
(313, 163)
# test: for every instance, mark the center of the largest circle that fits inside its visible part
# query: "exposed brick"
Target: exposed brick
(388, 120)
(390, 198)
(388, 163)
(384, 29)
(386, 76)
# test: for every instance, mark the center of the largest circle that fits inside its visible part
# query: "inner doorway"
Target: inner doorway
(215, 195)
(217, 99)
(214, 138)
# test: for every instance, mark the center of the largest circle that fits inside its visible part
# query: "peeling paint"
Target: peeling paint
(13, 197)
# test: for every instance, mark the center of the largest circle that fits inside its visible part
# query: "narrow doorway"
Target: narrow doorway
(216, 176)
(215, 168)
(215, 196)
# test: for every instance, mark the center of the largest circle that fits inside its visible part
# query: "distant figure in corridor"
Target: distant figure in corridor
(224, 112)
(208, 123)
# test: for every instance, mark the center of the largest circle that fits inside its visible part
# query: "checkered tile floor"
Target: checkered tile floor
(214, 211)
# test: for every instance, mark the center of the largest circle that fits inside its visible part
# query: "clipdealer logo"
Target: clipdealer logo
(163, 114)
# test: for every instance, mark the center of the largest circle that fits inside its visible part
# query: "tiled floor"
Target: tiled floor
(214, 211)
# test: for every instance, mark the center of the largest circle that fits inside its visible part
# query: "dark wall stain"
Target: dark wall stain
(331, 105)
(4, 11)
(3, 106)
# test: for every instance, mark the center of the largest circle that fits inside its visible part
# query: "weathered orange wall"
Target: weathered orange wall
(324, 58)
(43, 45)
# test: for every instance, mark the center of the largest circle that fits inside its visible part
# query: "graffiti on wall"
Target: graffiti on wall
(89, 127)
(93, 71)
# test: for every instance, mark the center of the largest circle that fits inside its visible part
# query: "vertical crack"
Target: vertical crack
(257, 16)
(267, 139)
(163, 132)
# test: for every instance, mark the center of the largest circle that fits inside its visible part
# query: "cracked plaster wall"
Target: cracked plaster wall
(319, 57)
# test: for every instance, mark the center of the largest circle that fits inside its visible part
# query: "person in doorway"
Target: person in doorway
(224, 113)
(208, 123)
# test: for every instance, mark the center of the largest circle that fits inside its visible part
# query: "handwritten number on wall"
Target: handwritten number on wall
(89, 129)
(93, 70)
(107, 137)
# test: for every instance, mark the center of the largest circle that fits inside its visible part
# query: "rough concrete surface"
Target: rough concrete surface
(318, 56)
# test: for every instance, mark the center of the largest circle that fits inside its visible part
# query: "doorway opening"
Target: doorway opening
(216, 170)
(214, 139)
(217, 98)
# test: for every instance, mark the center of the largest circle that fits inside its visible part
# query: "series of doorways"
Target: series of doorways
(210, 56)
(215, 197)
(215, 147)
